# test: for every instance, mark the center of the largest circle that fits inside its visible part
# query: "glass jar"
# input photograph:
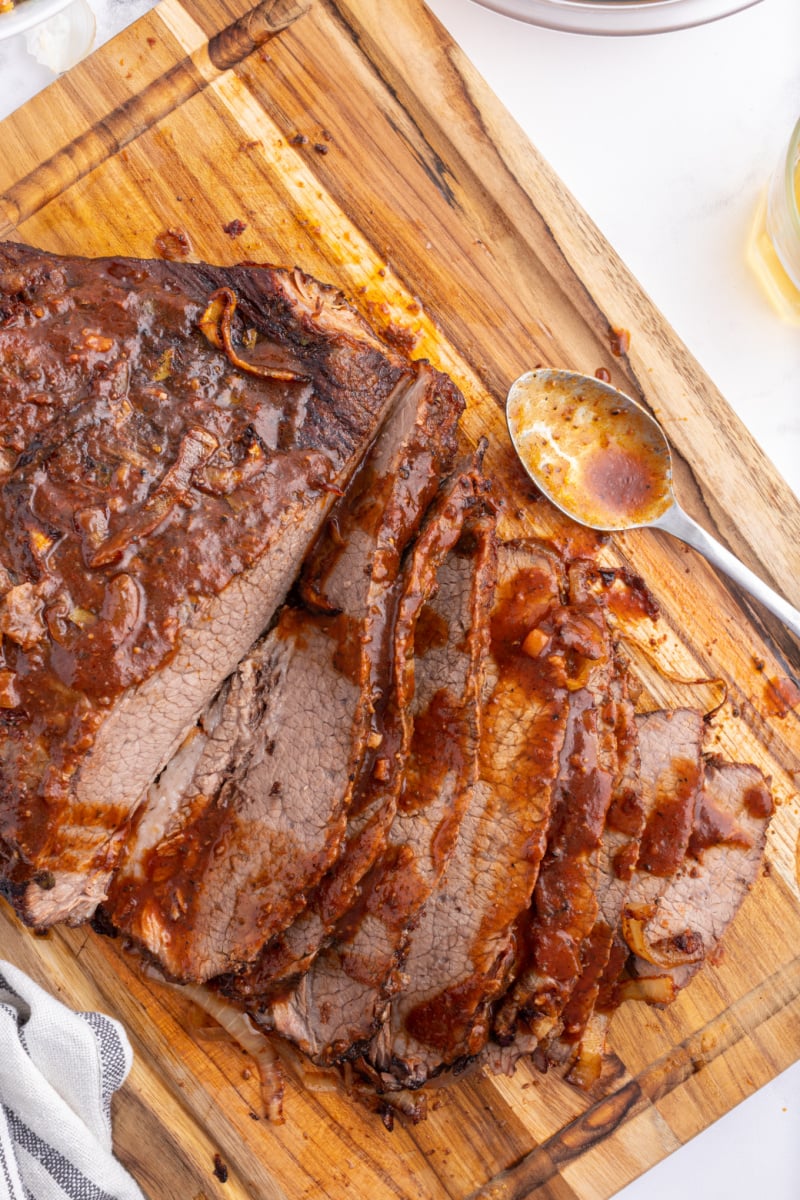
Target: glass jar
(774, 247)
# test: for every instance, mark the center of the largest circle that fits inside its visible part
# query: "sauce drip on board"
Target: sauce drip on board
(594, 453)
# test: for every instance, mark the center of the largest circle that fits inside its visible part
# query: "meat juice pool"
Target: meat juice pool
(774, 247)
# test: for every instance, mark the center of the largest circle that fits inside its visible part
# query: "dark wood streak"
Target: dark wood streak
(594, 313)
(543, 1163)
(156, 101)
(601, 1120)
(160, 1167)
(437, 169)
(770, 629)
(241, 37)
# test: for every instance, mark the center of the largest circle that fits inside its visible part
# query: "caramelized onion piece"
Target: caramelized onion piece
(9, 696)
(216, 325)
(21, 616)
(197, 446)
(211, 319)
(534, 643)
(222, 480)
(588, 1065)
(671, 952)
(240, 1029)
(121, 607)
(664, 672)
(653, 989)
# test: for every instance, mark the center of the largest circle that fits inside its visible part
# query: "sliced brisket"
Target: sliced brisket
(439, 650)
(650, 827)
(671, 765)
(173, 436)
(257, 821)
(323, 720)
(724, 857)
(465, 944)
(565, 900)
(619, 850)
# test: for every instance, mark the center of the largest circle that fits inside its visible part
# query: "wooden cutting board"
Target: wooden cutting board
(359, 144)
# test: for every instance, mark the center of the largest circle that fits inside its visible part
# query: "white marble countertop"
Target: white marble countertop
(667, 142)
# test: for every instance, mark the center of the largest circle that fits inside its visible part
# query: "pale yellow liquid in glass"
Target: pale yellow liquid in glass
(762, 257)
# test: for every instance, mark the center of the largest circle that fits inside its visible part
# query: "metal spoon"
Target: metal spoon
(604, 461)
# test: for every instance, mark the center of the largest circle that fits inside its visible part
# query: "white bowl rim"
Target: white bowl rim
(617, 16)
(29, 13)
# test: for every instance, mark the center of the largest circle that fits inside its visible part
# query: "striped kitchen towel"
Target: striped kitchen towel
(58, 1072)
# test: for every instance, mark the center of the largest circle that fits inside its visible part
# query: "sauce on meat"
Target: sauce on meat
(714, 827)
(594, 955)
(759, 802)
(668, 827)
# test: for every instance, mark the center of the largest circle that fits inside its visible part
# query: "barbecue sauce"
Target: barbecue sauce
(457, 1016)
(670, 821)
(565, 904)
(781, 695)
(715, 827)
(627, 595)
(564, 891)
(759, 802)
(595, 952)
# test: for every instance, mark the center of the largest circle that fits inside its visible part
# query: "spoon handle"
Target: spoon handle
(682, 526)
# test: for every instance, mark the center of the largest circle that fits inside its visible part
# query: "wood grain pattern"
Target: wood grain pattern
(362, 146)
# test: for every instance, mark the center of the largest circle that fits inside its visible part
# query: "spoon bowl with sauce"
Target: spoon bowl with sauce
(605, 461)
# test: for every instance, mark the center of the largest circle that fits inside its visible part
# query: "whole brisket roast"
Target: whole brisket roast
(275, 693)
(173, 437)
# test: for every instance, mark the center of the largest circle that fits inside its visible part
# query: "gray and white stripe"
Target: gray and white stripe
(58, 1071)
